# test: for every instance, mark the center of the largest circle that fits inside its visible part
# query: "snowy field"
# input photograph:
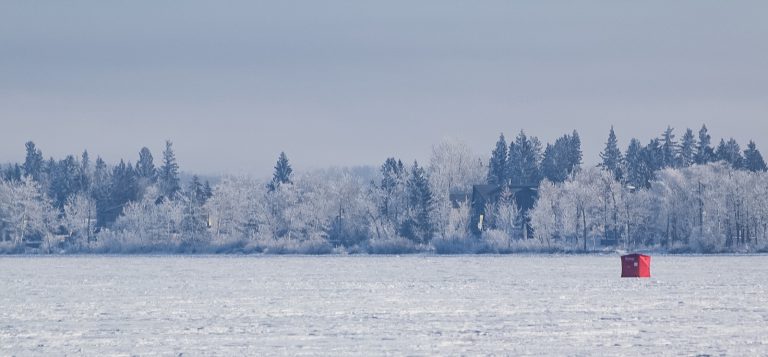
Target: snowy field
(410, 305)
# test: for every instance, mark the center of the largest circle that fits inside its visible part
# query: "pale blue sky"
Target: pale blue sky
(233, 83)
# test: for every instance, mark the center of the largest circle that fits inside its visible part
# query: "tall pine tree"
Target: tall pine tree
(101, 191)
(551, 165)
(524, 161)
(282, 173)
(687, 155)
(668, 148)
(730, 152)
(497, 166)
(611, 156)
(168, 175)
(704, 151)
(65, 180)
(418, 226)
(393, 181)
(145, 167)
(34, 162)
(574, 152)
(753, 160)
(124, 189)
(635, 165)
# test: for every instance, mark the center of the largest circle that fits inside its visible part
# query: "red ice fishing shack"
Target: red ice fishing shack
(635, 266)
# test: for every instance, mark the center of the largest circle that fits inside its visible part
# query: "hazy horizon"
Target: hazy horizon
(352, 83)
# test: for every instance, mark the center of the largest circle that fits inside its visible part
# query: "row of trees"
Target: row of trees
(639, 164)
(523, 163)
(685, 195)
(705, 208)
(75, 198)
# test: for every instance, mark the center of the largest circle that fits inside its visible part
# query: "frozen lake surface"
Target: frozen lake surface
(372, 305)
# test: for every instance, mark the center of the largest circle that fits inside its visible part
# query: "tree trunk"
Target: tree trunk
(584, 222)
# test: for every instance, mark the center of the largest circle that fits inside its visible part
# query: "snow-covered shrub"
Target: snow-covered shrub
(392, 245)
(458, 244)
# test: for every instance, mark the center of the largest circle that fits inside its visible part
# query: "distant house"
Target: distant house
(485, 196)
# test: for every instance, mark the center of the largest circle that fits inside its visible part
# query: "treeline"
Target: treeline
(701, 208)
(667, 194)
(675, 195)
(73, 199)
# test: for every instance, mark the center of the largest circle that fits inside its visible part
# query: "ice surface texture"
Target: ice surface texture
(379, 305)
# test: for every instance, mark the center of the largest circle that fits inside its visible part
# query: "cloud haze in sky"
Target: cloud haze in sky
(352, 82)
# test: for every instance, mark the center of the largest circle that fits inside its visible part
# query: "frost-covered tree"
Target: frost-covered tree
(655, 156)
(524, 160)
(101, 192)
(345, 200)
(26, 214)
(730, 152)
(611, 156)
(687, 153)
(547, 215)
(229, 207)
(561, 159)
(635, 166)
(151, 223)
(668, 148)
(13, 172)
(393, 193)
(704, 151)
(418, 224)
(33, 162)
(123, 189)
(65, 180)
(507, 217)
(583, 198)
(282, 174)
(85, 173)
(145, 168)
(753, 160)
(497, 165)
(168, 175)
(574, 156)
(453, 168)
(80, 218)
(550, 165)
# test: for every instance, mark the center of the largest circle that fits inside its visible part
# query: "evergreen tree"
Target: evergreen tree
(101, 191)
(635, 165)
(196, 191)
(65, 181)
(611, 156)
(654, 156)
(393, 178)
(524, 161)
(753, 160)
(497, 166)
(704, 152)
(33, 163)
(282, 173)
(551, 165)
(13, 173)
(668, 148)
(687, 155)
(208, 190)
(730, 152)
(169, 172)
(85, 172)
(418, 226)
(145, 167)
(562, 158)
(574, 153)
(124, 189)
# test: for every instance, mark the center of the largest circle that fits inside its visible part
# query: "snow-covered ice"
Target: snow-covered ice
(381, 305)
